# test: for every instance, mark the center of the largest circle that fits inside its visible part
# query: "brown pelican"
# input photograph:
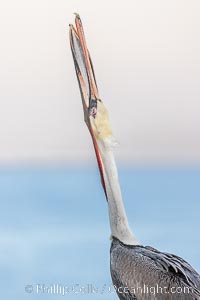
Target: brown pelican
(137, 271)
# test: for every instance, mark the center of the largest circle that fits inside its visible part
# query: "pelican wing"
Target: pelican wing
(140, 268)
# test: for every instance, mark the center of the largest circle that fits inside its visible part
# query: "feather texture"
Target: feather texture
(150, 274)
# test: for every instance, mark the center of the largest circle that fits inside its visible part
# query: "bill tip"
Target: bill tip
(77, 15)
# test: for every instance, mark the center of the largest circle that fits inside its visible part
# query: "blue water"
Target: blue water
(54, 228)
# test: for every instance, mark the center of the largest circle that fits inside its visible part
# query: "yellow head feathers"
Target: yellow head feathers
(100, 124)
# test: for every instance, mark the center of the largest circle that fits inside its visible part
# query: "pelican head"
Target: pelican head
(95, 113)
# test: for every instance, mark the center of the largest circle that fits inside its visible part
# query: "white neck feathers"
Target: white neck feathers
(117, 215)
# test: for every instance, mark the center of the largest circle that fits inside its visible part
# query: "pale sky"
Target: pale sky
(146, 56)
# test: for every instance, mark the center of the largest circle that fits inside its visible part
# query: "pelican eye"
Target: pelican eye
(92, 108)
